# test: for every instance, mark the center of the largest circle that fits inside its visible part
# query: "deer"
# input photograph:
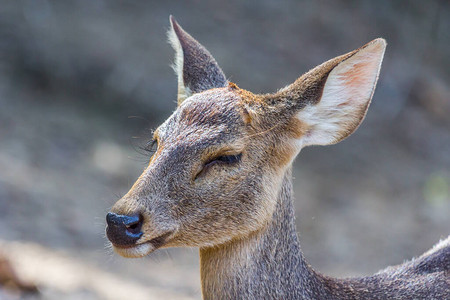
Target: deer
(220, 180)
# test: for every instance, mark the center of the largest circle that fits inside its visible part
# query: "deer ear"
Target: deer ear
(196, 68)
(332, 99)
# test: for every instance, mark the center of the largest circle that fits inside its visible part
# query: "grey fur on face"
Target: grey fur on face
(221, 180)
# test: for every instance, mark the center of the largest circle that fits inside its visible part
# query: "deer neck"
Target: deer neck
(266, 264)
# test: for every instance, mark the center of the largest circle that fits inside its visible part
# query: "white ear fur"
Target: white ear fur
(183, 91)
(346, 96)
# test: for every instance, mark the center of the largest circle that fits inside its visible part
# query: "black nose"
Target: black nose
(123, 230)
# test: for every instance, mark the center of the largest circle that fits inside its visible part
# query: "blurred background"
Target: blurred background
(82, 83)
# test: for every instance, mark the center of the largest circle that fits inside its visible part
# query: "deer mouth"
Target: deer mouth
(142, 249)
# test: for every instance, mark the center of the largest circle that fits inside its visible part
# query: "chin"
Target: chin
(136, 251)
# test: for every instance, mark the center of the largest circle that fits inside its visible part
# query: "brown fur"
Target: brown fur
(241, 214)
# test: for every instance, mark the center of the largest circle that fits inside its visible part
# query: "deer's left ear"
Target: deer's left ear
(196, 68)
(331, 100)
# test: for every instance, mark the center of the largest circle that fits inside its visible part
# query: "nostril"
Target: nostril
(135, 224)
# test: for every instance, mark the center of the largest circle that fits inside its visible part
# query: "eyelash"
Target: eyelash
(223, 160)
(227, 159)
(150, 148)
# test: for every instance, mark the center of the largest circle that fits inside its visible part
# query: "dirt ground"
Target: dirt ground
(81, 85)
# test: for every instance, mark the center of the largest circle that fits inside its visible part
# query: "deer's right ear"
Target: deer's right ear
(196, 68)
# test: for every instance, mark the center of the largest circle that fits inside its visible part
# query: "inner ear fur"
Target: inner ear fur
(332, 99)
(196, 68)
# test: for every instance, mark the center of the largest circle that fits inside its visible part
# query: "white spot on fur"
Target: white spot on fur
(440, 245)
(136, 251)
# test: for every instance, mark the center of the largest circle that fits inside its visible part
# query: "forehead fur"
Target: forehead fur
(211, 108)
(206, 114)
(222, 114)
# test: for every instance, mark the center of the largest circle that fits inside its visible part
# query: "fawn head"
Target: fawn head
(222, 155)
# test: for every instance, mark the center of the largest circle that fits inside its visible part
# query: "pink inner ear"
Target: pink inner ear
(345, 97)
(359, 80)
(360, 77)
(357, 76)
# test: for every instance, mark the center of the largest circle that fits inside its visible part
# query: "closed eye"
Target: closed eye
(220, 160)
(226, 159)
(150, 148)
